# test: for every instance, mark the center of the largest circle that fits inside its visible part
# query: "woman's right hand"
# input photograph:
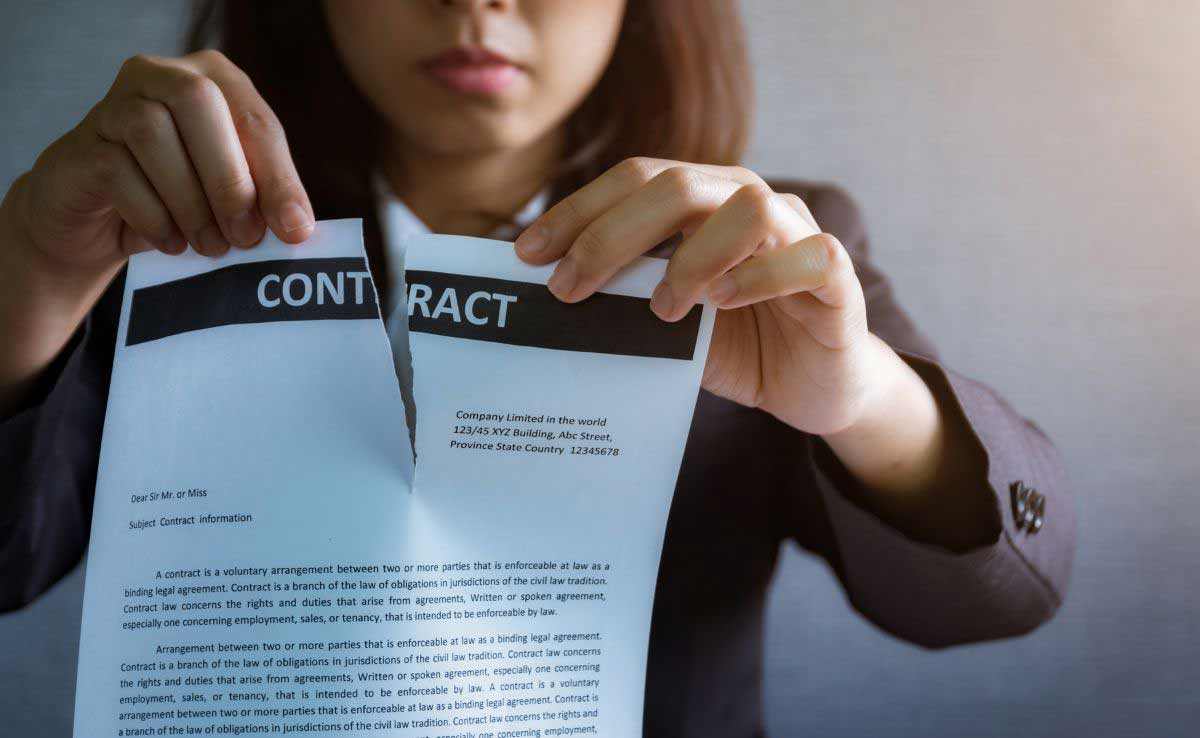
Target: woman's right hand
(181, 150)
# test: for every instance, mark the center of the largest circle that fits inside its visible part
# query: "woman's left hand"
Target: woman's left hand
(791, 333)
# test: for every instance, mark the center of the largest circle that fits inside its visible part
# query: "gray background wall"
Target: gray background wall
(1031, 174)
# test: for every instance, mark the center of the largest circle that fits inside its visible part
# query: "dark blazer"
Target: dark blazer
(748, 483)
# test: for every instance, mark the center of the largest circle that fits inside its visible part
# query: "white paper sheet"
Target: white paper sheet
(261, 559)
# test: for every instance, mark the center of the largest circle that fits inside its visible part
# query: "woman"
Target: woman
(825, 417)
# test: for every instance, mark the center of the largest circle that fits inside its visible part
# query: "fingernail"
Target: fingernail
(293, 218)
(533, 241)
(245, 228)
(176, 243)
(564, 279)
(662, 301)
(723, 289)
(211, 241)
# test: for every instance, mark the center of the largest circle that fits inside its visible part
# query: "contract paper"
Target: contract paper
(266, 557)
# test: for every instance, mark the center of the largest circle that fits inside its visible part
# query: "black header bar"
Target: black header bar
(527, 314)
(257, 292)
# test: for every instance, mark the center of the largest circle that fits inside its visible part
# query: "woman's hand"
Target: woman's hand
(791, 334)
(180, 150)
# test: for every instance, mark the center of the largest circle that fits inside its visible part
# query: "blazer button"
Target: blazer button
(1039, 514)
(1031, 510)
(1029, 507)
(1020, 504)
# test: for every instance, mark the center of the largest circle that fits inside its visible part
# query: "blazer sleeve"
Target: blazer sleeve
(49, 451)
(915, 589)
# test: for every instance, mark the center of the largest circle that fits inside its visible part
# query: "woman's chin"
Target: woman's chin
(471, 133)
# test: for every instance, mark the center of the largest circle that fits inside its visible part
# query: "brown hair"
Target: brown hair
(678, 87)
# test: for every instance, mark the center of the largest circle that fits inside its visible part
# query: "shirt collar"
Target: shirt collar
(398, 224)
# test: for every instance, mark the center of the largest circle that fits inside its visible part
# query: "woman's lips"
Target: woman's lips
(472, 70)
